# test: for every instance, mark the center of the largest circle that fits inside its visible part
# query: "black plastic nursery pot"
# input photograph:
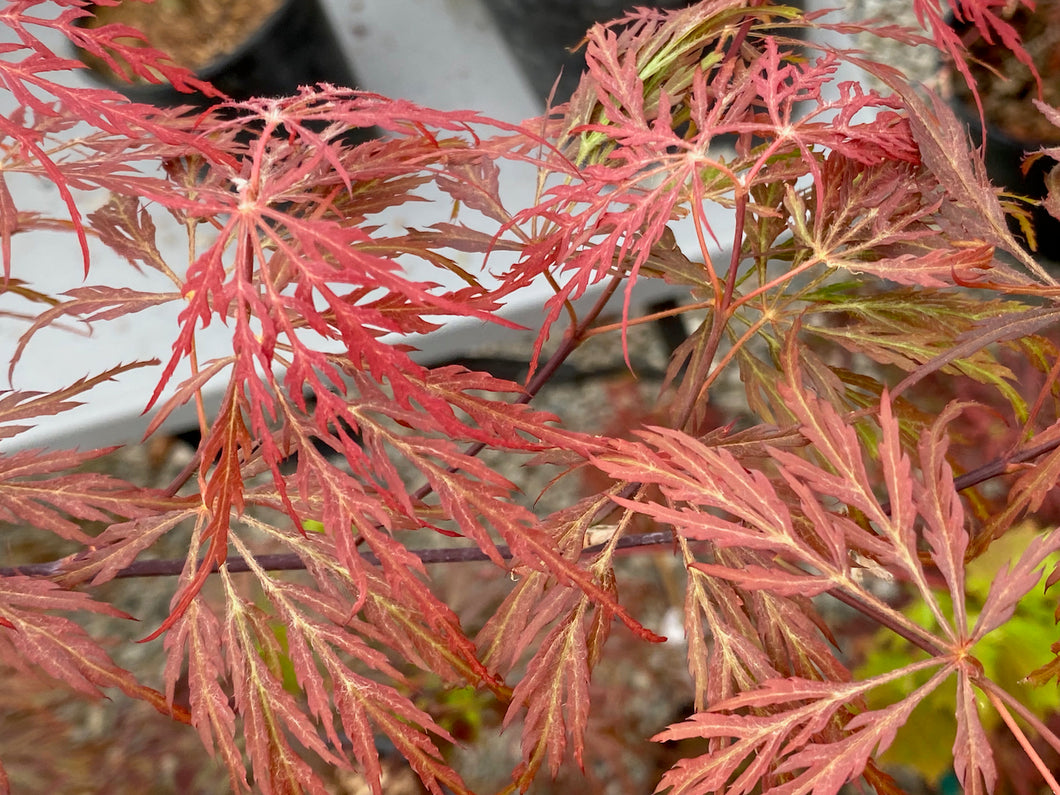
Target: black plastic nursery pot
(1014, 126)
(1004, 165)
(542, 33)
(294, 45)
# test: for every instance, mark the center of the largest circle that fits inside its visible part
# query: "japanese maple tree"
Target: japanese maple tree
(868, 287)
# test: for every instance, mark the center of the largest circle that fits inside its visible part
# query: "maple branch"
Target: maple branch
(573, 337)
(995, 691)
(292, 562)
(184, 475)
(922, 640)
(999, 465)
(740, 220)
(995, 468)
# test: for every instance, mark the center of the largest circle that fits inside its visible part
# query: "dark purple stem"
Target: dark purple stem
(292, 562)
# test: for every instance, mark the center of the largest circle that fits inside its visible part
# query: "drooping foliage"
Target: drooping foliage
(864, 284)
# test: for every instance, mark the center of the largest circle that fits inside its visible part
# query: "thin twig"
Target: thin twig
(571, 340)
(1021, 738)
(293, 562)
(289, 562)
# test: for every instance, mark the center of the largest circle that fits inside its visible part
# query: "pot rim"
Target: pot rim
(206, 73)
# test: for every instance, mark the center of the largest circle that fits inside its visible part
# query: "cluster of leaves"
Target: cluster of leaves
(869, 259)
(1005, 655)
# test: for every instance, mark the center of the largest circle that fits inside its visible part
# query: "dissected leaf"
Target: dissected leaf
(32, 492)
(60, 647)
(556, 685)
(1012, 584)
(944, 146)
(22, 405)
(778, 748)
(859, 237)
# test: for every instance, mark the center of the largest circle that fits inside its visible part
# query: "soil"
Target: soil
(195, 33)
(1007, 86)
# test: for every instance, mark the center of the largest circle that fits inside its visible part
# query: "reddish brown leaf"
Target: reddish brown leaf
(199, 632)
(230, 445)
(556, 690)
(20, 405)
(773, 580)
(973, 757)
(58, 646)
(766, 747)
(126, 226)
(944, 146)
(33, 492)
(943, 514)
(1012, 584)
